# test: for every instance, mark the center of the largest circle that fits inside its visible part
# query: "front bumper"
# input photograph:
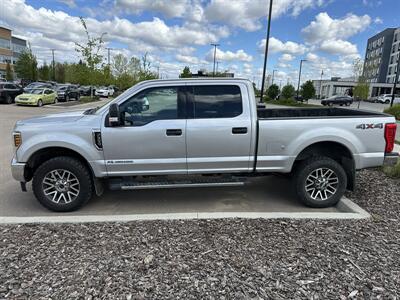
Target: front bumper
(26, 102)
(18, 170)
(391, 159)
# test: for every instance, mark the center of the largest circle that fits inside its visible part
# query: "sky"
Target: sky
(329, 34)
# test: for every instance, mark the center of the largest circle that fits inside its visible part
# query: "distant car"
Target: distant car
(299, 98)
(337, 100)
(8, 92)
(104, 91)
(372, 99)
(86, 90)
(37, 97)
(387, 98)
(37, 85)
(67, 92)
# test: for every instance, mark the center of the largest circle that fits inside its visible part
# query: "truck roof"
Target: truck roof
(199, 79)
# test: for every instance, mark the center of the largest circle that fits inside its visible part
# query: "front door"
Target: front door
(152, 136)
(219, 130)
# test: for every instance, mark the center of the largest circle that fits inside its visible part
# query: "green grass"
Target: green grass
(394, 171)
(394, 111)
(290, 102)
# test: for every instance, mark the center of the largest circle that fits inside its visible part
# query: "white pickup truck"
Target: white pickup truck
(192, 133)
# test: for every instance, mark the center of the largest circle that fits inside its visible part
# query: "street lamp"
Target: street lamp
(298, 83)
(215, 52)
(395, 80)
(320, 84)
(266, 49)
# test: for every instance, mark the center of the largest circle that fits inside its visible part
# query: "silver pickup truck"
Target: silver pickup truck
(193, 133)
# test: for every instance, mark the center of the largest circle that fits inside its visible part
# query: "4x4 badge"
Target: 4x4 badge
(370, 126)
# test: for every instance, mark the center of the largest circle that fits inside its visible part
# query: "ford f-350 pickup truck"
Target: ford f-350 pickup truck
(193, 133)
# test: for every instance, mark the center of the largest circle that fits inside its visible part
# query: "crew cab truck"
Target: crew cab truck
(193, 133)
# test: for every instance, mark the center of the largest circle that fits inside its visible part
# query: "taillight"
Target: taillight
(390, 135)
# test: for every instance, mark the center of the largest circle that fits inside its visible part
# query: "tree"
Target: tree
(361, 90)
(273, 91)
(91, 49)
(9, 72)
(185, 73)
(26, 65)
(44, 72)
(288, 91)
(121, 65)
(60, 72)
(307, 90)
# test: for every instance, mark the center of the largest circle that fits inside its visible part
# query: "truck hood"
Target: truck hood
(66, 117)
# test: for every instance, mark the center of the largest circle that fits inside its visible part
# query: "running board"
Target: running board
(131, 185)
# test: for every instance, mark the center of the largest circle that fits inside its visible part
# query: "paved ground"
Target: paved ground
(271, 194)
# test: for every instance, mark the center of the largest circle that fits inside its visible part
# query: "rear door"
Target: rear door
(218, 129)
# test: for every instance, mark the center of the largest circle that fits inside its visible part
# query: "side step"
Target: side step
(142, 185)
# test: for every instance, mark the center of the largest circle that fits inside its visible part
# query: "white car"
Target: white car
(387, 98)
(104, 91)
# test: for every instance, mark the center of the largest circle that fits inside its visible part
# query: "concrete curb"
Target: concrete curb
(348, 211)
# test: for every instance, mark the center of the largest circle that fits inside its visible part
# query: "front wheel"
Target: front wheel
(387, 101)
(348, 103)
(330, 104)
(9, 100)
(40, 103)
(62, 184)
(320, 182)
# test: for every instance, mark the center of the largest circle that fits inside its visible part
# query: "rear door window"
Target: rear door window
(217, 101)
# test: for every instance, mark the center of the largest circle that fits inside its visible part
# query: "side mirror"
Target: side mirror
(114, 117)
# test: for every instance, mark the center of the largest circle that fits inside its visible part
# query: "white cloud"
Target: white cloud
(276, 45)
(152, 36)
(70, 3)
(193, 60)
(239, 55)
(326, 28)
(339, 47)
(168, 8)
(246, 14)
(378, 20)
(286, 57)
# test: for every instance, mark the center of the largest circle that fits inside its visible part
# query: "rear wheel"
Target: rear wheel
(66, 98)
(62, 184)
(320, 182)
(330, 103)
(387, 101)
(348, 103)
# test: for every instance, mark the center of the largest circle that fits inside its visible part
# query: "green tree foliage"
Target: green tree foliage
(185, 73)
(90, 51)
(361, 90)
(288, 91)
(44, 72)
(26, 65)
(60, 72)
(273, 91)
(307, 90)
(9, 72)
(145, 72)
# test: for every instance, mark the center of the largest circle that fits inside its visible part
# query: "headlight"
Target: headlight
(17, 139)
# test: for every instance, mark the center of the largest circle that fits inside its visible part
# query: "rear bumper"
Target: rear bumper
(18, 170)
(391, 159)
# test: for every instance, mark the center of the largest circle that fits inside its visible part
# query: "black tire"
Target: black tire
(55, 100)
(348, 103)
(330, 103)
(40, 103)
(387, 101)
(306, 168)
(9, 100)
(66, 98)
(77, 97)
(78, 169)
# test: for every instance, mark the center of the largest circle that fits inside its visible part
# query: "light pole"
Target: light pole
(320, 84)
(266, 50)
(298, 83)
(273, 75)
(395, 80)
(215, 52)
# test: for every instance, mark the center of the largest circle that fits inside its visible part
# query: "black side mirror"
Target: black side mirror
(114, 117)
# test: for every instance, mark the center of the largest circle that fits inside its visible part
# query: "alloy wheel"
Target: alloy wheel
(61, 186)
(321, 184)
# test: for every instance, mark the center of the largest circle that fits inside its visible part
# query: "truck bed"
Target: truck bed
(300, 112)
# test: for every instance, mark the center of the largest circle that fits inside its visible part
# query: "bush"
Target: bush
(393, 171)
(394, 111)
(290, 102)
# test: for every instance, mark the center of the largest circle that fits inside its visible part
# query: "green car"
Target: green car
(37, 97)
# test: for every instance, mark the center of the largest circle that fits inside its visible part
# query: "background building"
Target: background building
(10, 48)
(380, 56)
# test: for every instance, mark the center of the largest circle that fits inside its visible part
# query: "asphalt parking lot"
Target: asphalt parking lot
(264, 195)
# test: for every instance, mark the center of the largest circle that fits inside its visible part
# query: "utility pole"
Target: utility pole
(54, 65)
(266, 50)
(320, 84)
(395, 80)
(215, 53)
(273, 75)
(298, 83)
(108, 55)
(217, 65)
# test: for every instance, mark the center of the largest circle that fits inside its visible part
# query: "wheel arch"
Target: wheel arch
(334, 150)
